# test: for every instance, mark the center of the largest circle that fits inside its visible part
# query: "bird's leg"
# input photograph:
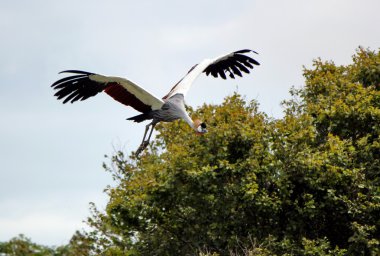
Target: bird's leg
(151, 131)
(146, 130)
(145, 143)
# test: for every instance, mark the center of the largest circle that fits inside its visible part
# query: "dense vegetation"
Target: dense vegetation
(306, 184)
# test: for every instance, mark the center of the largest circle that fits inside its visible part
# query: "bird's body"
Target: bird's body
(171, 107)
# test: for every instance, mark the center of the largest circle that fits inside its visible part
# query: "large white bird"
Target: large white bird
(83, 85)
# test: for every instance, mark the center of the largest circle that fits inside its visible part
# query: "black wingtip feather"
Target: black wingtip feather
(253, 61)
(76, 87)
(235, 64)
(57, 84)
(222, 75)
(76, 72)
(243, 51)
(246, 51)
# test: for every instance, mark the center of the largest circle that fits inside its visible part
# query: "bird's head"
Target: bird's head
(199, 127)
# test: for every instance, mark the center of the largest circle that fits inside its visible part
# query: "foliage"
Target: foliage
(79, 245)
(21, 245)
(306, 184)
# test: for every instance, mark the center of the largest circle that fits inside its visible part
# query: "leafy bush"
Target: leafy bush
(306, 184)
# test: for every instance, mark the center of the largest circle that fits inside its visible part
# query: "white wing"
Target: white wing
(232, 64)
(85, 85)
(140, 93)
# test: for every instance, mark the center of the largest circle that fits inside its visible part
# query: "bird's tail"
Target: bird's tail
(140, 118)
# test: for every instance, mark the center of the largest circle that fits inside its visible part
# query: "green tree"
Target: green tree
(306, 184)
(80, 244)
(23, 246)
(328, 154)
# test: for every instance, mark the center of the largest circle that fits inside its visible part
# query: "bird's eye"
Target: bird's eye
(203, 125)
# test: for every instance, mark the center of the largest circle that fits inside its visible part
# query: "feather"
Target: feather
(66, 79)
(236, 71)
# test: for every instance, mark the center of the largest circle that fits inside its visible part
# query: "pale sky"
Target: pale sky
(51, 154)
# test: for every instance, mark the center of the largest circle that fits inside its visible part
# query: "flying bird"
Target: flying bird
(82, 85)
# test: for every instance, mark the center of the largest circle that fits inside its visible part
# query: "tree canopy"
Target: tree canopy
(305, 184)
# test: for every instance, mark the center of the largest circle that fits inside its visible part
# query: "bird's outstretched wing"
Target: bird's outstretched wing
(83, 85)
(232, 64)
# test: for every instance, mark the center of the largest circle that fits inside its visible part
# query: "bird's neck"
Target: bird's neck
(188, 120)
